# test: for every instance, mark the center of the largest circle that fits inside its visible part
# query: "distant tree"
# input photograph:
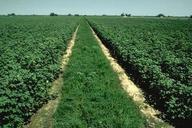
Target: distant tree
(191, 16)
(11, 14)
(128, 15)
(122, 14)
(104, 15)
(53, 14)
(69, 14)
(160, 15)
(76, 15)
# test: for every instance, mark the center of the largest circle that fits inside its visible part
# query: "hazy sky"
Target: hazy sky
(135, 7)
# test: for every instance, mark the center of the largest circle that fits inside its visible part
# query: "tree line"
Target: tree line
(122, 14)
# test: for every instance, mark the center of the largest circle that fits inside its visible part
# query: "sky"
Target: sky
(97, 7)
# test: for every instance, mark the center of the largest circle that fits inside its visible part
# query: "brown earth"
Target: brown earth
(134, 91)
(44, 117)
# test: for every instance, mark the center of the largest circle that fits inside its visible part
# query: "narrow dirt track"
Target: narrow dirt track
(132, 90)
(43, 118)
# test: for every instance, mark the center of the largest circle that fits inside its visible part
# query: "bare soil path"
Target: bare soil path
(133, 90)
(43, 118)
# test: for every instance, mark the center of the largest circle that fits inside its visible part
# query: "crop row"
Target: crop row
(158, 53)
(30, 55)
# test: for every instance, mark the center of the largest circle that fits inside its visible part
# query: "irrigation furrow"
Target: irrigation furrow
(132, 90)
(43, 118)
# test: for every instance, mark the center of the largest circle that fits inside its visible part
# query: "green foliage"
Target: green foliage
(53, 14)
(11, 14)
(69, 14)
(31, 50)
(128, 15)
(159, 53)
(125, 14)
(160, 15)
(122, 14)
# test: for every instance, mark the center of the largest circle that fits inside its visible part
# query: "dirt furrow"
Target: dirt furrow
(43, 118)
(133, 90)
